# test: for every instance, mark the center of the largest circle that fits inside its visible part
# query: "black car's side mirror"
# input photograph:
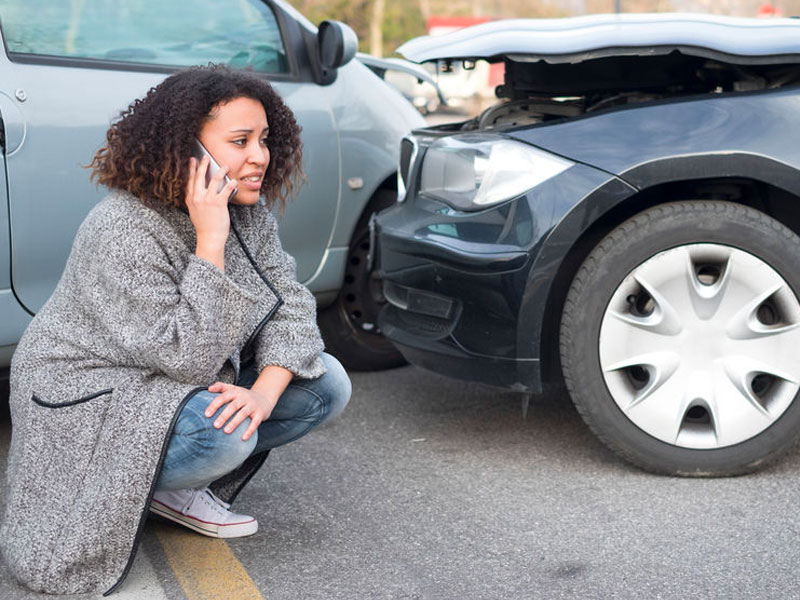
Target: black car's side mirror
(337, 44)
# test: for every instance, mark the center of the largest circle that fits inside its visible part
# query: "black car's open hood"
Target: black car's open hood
(576, 39)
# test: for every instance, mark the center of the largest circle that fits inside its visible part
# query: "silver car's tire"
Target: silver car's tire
(4, 394)
(680, 339)
(349, 325)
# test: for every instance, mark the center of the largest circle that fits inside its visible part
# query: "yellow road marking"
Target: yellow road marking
(206, 568)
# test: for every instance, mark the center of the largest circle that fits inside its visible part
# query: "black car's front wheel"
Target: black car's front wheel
(680, 339)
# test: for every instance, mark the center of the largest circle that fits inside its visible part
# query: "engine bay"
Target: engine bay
(539, 91)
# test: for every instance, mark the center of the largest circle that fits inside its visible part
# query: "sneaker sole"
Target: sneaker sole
(232, 530)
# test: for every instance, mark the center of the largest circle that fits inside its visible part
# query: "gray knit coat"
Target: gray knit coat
(136, 325)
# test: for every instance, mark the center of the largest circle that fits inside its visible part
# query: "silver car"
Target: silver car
(69, 68)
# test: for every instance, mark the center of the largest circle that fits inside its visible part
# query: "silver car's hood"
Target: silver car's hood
(577, 39)
(402, 66)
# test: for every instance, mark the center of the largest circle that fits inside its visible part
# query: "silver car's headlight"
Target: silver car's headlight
(476, 170)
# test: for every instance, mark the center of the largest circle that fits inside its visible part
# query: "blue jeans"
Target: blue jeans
(198, 453)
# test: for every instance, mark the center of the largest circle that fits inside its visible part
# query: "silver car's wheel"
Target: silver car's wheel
(348, 326)
(680, 339)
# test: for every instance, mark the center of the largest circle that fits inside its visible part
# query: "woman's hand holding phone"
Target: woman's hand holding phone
(208, 210)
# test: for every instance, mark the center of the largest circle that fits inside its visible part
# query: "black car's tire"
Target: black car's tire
(677, 339)
(349, 325)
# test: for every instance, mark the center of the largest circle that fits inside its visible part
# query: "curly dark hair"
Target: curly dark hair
(148, 147)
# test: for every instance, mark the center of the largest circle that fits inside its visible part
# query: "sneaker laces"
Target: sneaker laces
(225, 505)
(207, 497)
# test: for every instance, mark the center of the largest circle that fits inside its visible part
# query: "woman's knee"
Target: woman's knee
(315, 400)
(229, 450)
(198, 452)
(222, 451)
(336, 388)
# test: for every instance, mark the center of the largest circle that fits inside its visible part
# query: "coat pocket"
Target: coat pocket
(81, 400)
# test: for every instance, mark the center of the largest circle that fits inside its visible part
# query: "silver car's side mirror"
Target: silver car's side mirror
(337, 44)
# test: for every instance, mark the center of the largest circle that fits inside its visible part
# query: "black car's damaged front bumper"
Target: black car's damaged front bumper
(467, 291)
(453, 281)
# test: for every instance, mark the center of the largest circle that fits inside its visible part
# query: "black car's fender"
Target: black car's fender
(568, 223)
(735, 146)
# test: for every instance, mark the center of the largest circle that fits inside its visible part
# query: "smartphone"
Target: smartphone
(213, 167)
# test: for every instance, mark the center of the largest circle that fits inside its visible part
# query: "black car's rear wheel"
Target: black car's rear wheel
(680, 337)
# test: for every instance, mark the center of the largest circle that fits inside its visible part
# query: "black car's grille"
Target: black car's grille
(419, 325)
(423, 313)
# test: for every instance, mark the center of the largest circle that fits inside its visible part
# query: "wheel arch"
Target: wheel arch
(374, 202)
(346, 229)
(348, 323)
(773, 197)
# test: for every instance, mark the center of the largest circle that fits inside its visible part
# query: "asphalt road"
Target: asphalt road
(430, 488)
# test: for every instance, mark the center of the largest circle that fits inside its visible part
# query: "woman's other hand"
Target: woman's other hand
(256, 403)
(208, 211)
(242, 403)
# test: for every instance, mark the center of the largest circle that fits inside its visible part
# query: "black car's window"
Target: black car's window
(239, 33)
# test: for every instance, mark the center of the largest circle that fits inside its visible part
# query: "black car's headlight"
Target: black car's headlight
(476, 170)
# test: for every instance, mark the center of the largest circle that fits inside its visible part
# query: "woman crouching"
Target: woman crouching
(178, 347)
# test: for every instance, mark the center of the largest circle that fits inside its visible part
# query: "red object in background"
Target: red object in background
(447, 24)
(768, 10)
(497, 74)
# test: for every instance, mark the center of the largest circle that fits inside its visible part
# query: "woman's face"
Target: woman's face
(235, 134)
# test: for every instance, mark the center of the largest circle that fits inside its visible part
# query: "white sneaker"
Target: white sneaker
(203, 512)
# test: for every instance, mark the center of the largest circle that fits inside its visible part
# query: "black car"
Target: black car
(627, 219)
